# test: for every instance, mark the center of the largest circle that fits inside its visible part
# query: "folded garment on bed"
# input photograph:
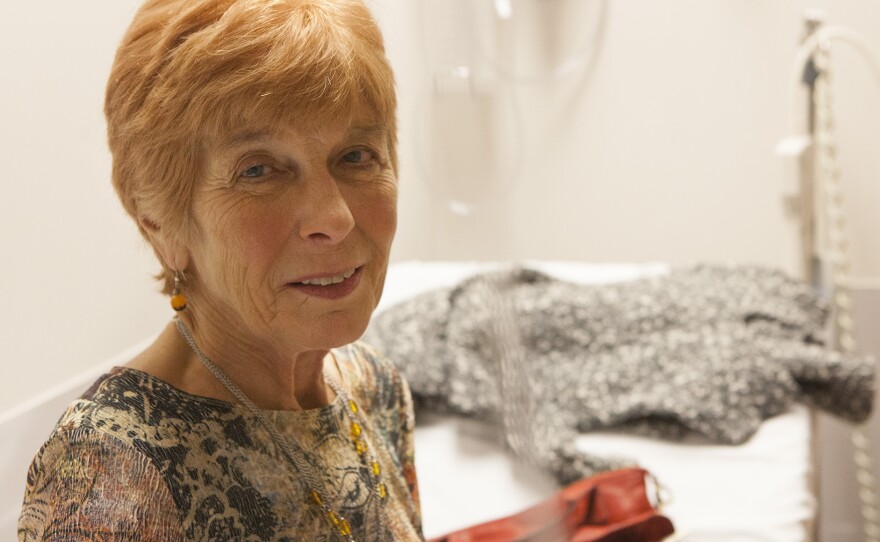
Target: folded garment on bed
(705, 349)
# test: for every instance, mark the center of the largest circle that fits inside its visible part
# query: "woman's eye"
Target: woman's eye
(257, 171)
(358, 157)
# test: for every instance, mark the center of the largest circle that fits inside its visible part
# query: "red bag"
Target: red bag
(609, 507)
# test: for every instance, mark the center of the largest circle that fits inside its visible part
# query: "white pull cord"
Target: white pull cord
(831, 201)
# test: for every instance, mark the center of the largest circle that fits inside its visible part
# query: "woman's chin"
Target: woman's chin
(333, 331)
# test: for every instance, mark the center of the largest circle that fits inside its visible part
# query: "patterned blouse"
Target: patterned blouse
(136, 459)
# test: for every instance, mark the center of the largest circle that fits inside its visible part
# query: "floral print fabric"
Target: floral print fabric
(137, 459)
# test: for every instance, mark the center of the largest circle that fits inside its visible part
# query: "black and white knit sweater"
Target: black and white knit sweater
(710, 350)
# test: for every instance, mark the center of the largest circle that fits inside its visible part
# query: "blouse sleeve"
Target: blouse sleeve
(88, 486)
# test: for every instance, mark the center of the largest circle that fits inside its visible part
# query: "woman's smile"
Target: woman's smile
(330, 286)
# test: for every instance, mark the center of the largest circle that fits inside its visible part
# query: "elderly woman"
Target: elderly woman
(254, 143)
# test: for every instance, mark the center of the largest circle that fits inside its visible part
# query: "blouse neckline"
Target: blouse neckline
(212, 402)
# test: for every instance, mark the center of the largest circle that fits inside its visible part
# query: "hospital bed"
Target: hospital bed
(760, 490)
(765, 489)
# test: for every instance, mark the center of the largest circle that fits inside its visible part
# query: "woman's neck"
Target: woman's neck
(269, 380)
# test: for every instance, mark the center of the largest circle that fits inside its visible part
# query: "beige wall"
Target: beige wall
(664, 151)
(76, 284)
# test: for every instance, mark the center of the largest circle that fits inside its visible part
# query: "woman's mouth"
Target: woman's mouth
(325, 281)
(334, 286)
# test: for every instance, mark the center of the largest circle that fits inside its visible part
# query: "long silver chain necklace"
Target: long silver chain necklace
(335, 520)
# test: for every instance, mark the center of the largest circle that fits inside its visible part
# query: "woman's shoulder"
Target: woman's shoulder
(138, 413)
(129, 397)
(87, 481)
(368, 372)
(106, 404)
(93, 444)
(376, 383)
(132, 430)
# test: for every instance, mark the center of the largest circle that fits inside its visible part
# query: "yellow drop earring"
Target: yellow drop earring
(178, 300)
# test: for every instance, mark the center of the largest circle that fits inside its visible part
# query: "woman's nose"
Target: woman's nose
(326, 217)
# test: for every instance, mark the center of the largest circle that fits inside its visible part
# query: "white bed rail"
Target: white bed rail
(823, 226)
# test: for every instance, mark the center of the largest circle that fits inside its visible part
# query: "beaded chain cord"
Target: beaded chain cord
(335, 520)
(358, 425)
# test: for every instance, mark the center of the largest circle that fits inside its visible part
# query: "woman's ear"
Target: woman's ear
(174, 254)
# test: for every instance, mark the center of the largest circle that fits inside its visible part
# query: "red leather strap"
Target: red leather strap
(609, 507)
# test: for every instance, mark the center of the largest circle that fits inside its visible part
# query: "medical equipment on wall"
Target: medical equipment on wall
(823, 219)
(477, 55)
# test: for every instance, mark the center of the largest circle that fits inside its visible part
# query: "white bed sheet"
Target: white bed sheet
(757, 491)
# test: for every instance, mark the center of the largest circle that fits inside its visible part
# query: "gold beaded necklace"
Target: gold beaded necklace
(334, 519)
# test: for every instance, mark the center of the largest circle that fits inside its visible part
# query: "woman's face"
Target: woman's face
(293, 228)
